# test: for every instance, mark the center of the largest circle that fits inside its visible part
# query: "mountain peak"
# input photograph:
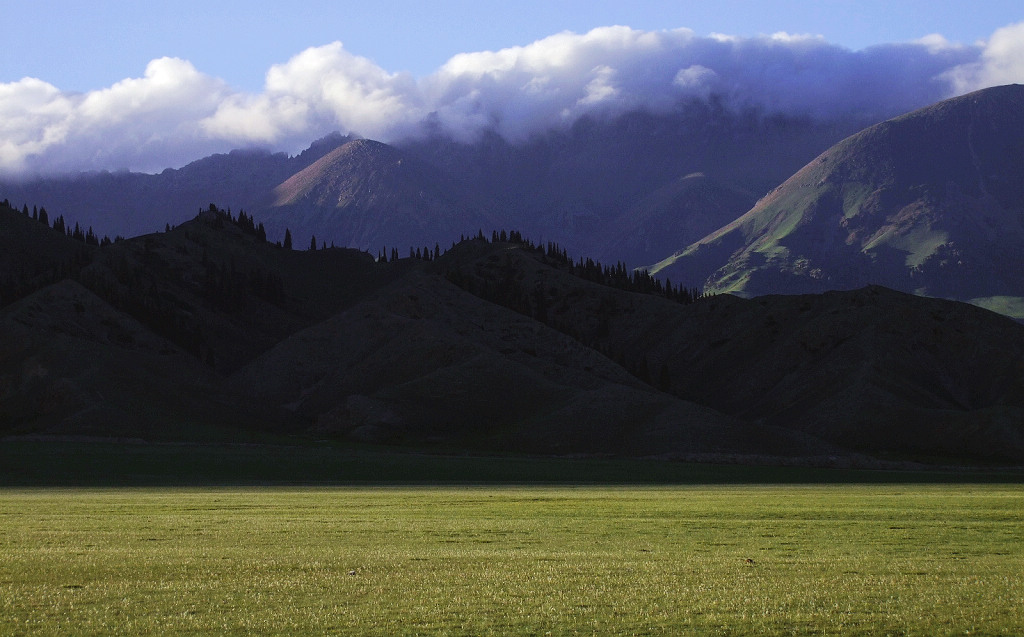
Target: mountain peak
(930, 202)
(336, 174)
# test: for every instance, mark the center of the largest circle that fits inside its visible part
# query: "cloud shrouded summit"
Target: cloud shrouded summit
(175, 113)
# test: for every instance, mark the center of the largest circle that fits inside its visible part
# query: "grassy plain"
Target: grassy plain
(840, 559)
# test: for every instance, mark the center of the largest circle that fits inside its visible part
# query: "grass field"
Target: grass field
(843, 559)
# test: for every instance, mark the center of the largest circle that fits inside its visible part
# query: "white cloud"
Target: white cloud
(138, 122)
(694, 78)
(796, 38)
(318, 90)
(1001, 62)
(174, 112)
(33, 117)
(936, 43)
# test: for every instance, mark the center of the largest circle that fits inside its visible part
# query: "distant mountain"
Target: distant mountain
(207, 331)
(931, 202)
(581, 187)
(691, 206)
(365, 194)
(130, 204)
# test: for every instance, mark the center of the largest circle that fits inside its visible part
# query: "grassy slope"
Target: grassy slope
(706, 560)
(1012, 306)
(926, 203)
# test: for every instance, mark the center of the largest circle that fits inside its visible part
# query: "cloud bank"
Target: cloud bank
(175, 113)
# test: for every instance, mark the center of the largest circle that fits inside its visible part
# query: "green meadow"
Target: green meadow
(531, 560)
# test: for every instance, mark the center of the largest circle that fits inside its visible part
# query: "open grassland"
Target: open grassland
(853, 559)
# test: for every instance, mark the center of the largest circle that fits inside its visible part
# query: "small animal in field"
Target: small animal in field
(749, 562)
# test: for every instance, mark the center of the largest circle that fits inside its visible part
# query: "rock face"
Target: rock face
(931, 202)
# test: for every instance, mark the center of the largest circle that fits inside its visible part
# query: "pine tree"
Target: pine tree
(287, 239)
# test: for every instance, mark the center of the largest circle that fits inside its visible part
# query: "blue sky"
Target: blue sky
(148, 85)
(81, 46)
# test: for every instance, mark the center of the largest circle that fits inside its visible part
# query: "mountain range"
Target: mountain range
(810, 322)
(929, 202)
(207, 331)
(619, 189)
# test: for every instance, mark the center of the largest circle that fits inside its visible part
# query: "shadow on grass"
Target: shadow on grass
(26, 463)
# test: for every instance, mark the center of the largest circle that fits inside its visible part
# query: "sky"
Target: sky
(146, 85)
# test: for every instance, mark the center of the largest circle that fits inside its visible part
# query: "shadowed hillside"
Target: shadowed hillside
(871, 369)
(208, 331)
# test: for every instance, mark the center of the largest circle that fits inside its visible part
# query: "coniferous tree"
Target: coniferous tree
(287, 239)
(312, 243)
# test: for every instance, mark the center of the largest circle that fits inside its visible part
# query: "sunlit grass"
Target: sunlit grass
(1012, 306)
(838, 559)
